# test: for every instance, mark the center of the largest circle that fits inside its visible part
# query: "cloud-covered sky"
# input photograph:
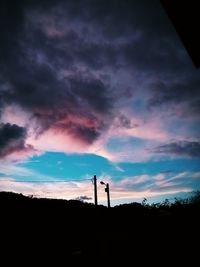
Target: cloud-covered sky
(108, 82)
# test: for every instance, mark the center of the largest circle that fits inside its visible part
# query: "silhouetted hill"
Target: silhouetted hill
(57, 231)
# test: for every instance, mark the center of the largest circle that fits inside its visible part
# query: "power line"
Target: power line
(93, 180)
(45, 181)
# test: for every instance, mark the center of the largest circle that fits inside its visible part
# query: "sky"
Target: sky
(102, 87)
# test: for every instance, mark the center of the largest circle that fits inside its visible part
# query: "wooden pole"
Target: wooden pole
(95, 190)
(108, 194)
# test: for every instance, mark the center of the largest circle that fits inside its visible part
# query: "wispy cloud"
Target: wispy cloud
(65, 190)
(18, 172)
(11, 169)
(126, 188)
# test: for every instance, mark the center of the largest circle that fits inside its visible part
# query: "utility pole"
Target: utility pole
(108, 194)
(95, 190)
(107, 190)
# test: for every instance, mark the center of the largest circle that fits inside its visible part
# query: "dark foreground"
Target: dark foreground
(40, 232)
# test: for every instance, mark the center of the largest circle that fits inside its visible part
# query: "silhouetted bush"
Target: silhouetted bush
(77, 230)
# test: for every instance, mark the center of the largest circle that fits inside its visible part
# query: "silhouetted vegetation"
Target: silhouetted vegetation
(75, 230)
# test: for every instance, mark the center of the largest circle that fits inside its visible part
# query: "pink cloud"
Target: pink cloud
(53, 140)
(21, 154)
(151, 128)
(14, 114)
(120, 191)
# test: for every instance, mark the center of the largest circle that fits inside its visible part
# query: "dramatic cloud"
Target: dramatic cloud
(106, 78)
(181, 148)
(182, 97)
(62, 96)
(12, 140)
(72, 69)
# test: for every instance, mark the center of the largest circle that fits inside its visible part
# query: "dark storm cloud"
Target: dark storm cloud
(57, 58)
(12, 139)
(34, 61)
(181, 148)
(102, 32)
(105, 28)
(36, 86)
(123, 121)
(185, 93)
(175, 92)
(62, 104)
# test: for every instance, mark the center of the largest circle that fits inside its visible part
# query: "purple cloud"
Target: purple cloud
(75, 66)
(12, 140)
(180, 148)
(184, 93)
